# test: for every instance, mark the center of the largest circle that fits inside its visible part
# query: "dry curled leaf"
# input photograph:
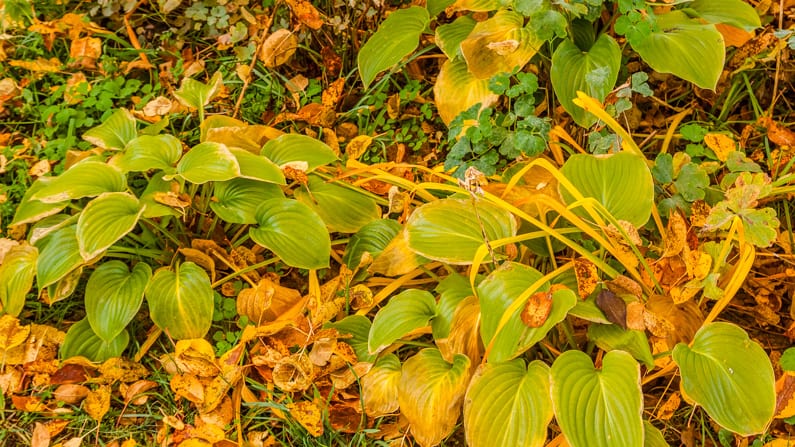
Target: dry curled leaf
(667, 410)
(358, 146)
(278, 48)
(306, 13)
(675, 235)
(71, 393)
(294, 373)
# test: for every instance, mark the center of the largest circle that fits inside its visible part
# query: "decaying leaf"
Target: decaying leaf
(12, 334)
(537, 309)
(675, 235)
(187, 386)
(785, 395)
(667, 409)
(196, 356)
(309, 415)
(358, 146)
(721, 144)
(306, 13)
(134, 394)
(587, 277)
(97, 402)
(623, 285)
(635, 316)
(85, 51)
(266, 302)
(122, 370)
(71, 393)
(278, 48)
(294, 373)
(614, 308)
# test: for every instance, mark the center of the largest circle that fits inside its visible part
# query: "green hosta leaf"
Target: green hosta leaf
(587, 310)
(372, 238)
(449, 36)
(81, 341)
(293, 232)
(605, 178)
(610, 337)
(196, 94)
(506, 404)
(113, 296)
(59, 254)
(431, 392)
(437, 6)
(499, 44)
(653, 437)
(157, 184)
(396, 38)
(88, 178)
(292, 147)
(497, 292)
(105, 220)
(457, 90)
(403, 313)
(151, 152)
(598, 408)
(30, 210)
(452, 290)
(731, 12)
(479, 5)
(115, 132)
(343, 209)
(257, 167)
(594, 72)
(683, 46)
(64, 287)
(181, 301)
(380, 386)
(357, 326)
(16, 277)
(237, 200)
(730, 376)
(449, 230)
(208, 162)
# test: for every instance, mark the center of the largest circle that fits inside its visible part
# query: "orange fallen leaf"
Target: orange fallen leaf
(71, 393)
(309, 415)
(733, 36)
(51, 65)
(358, 146)
(777, 133)
(587, 277)
(331, 96)
(306, 13)
(85, 51)
(721, 144)
(278, 48)
(97, 402)
(666, 411)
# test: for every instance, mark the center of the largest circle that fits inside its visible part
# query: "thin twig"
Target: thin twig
(778, 58)
(260, 43)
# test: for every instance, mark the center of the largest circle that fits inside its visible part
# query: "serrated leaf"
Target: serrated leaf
(598, 407)
(449, 230)
(113, 296)
(450, 35)
(372, 238)
(357, 326)
(181, 301)
(196, 94)
(208, 162)
(344, 210)
(430, 394)
(594, 72)
(730, 376)
(88, 178)
(115, 132)
(609, 337)
(497, 293)
(293, 232)
(59, 254)
(17, 271)
(237, 200)
(457, 90)
(105, 220)
(257, 167)
(294, 147)
(499, 44)
(30, 210)
(731, 12)
(151, 152)
(605, 178)
(380, 386)
(505, 405)
(685, 47)
(396, 38)
(82, 341)
(403, 313)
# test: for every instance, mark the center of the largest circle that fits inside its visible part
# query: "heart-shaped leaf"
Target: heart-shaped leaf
(380, 386)
(457, 90)
(451, 231)
(730, 376)
(372, 238)
(431, 392)
(237, 200)
(499, 44)
(605, 178)
(257, 167)
(598, 407)
(344, 210)
(685, 47)
(208, 162)
(59, 254)
(16, 277)
(293, 147)
(594, 72)
(405, 312)
(293, 232)
(506, 404)
(30, 210)
(181, 301)
(81, 341)
(113, 296)
(196, 94)
(730, 12)
(358, 327)
(115, 132)
(151, 152)
(396, 38)
(105, 220)
(497, 293)
(88, 178)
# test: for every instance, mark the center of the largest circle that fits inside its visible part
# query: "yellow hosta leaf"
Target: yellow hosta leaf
(97, 403)
(499, 44)
(309, 415)
(380, 387)
(456, 90)
(721, 144)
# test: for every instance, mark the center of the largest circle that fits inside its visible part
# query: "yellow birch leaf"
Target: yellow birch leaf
(358, 146)
(51, 65)
(97, 402)
(721, 144)
(278, 48)
(309, 415)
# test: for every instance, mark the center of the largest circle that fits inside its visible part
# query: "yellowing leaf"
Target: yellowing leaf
(97, 402)
(187, 386)
(51, 65)
(12, 334)
(278, 48)
(358, 146)
(293, 373)
(456, 90)
(537, 309)
(380, 387)
(499, 44)
(587, 277)
(721, 144)
(86, 50)
(196, 356)
(306, 13)
(309, 415)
